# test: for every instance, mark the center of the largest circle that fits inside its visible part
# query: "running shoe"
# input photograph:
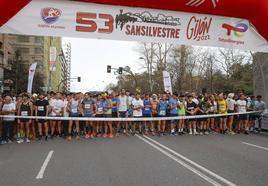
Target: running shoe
(27, 141)
(69, 138)
(10, 142)
(190, 132)
(172, 134)
(3, 142)
(201, 133)
(87, 136)
(46, 138)
(99, 135)
(78, 137)
(246, 132)
(206, 133)
(104, 135)
(195, 133)
(110, 135)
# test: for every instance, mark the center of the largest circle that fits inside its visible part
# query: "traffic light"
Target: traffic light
(109, 68)
(79, 79)
(120, 70)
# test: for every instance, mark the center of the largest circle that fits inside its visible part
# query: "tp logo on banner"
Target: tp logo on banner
(52, 58)
(167, 82)
(30, 78)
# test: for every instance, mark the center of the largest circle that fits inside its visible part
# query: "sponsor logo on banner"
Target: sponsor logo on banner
(197, 3)
(237, 31)
(198, 28)
(144, 24)
(50, 16)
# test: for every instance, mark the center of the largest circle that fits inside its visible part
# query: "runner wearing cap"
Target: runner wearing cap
(41, 109)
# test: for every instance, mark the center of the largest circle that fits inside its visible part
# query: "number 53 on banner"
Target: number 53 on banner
(87, 22)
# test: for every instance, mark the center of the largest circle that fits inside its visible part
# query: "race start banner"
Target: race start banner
(88, 20)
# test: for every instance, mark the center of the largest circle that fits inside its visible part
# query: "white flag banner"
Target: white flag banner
(167, 82)
(31, 76)
(88, 20)
(52, 58)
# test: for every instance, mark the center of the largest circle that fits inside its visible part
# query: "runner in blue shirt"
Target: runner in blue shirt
(173, 112)
(147, 112)
(162, 112)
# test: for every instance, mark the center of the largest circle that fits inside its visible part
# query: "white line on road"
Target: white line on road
(193, 163)
(208, 179)
(44, 166)
(257, 146)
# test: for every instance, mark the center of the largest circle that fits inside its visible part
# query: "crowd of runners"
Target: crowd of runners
(126, 105)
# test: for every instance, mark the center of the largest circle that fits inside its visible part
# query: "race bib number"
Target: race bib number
(87, 106)
(100, 109)
(24, 113)
(40, 108)
(222, 107)
(147, 108)
(162, 113)
(74, 110)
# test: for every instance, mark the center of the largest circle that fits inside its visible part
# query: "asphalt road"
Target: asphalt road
(138, 160)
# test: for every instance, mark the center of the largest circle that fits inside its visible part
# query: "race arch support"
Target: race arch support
(191, 22)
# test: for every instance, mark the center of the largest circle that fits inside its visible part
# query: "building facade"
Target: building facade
(20, 50)
(66, 67)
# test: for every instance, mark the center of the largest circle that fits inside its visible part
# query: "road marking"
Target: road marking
(208, 179)
(193, 163)
(257, 146)
(44, 166)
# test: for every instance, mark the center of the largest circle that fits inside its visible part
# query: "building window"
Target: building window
(38, 39)
(24, 50)
(37, 50)
(23, 39)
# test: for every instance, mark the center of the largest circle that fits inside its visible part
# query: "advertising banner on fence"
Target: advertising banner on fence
(167, 82)
(87, 20)
(30, 78)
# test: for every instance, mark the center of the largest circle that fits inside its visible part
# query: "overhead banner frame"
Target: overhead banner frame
(88, 20)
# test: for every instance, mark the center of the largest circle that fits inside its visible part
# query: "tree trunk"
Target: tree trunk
(260, 75)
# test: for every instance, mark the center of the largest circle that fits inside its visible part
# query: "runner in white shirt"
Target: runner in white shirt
(137, 106)
(243, 118)
(57, 110)
(231, 109)
(9, 108)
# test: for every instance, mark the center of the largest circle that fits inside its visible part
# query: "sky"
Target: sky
(90, 58)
